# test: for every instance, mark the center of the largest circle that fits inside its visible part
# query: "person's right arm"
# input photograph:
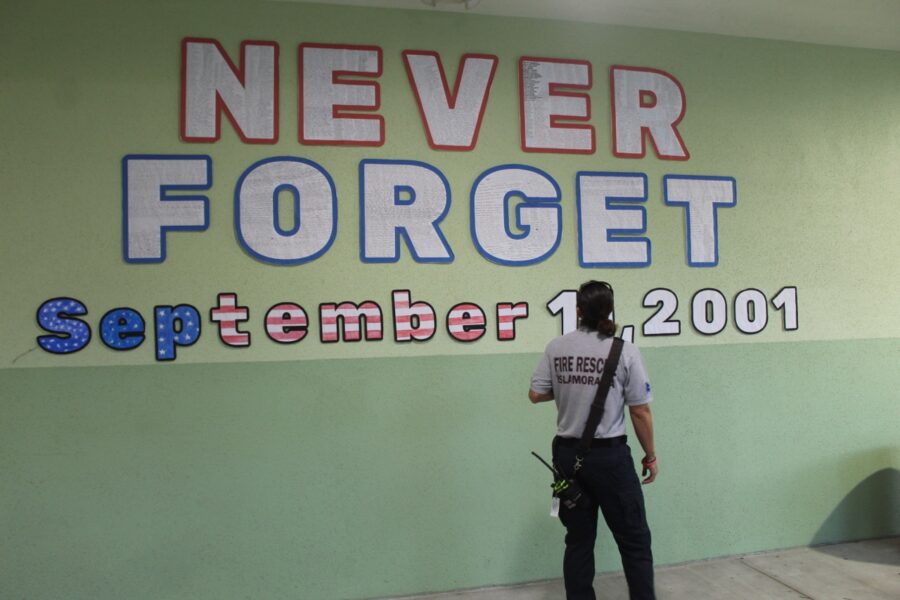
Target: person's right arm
(642, 420)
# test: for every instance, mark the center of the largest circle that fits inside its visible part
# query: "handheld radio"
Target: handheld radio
(566, 489)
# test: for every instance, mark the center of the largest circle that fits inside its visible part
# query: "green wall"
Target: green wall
(361, 470)
(304, 480)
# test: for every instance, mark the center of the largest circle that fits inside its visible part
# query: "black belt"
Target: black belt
(595, 443)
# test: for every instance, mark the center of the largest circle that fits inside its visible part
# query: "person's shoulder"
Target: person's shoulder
(629, 347)
(562, 340)
(630, 351)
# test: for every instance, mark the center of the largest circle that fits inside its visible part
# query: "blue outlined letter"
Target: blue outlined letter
(256, 210)
(602, 220)
(537, 216)
(147, 209)
(402, 198)
(701, 196)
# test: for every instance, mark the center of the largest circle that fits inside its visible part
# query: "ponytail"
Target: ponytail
(595, 303)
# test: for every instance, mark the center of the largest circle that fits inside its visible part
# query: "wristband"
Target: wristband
(648, 461)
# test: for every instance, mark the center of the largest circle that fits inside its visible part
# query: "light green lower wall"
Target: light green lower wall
(351, 479)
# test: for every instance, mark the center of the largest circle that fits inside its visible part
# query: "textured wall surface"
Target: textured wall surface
(356, 470)
(304, 480)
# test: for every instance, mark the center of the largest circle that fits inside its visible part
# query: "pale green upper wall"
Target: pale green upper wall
(810, 133)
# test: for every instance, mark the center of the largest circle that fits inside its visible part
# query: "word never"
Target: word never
(335, 110)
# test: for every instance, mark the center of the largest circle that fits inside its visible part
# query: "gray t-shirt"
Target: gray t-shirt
(571, 367)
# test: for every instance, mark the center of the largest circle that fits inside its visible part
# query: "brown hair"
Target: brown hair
(595, 302)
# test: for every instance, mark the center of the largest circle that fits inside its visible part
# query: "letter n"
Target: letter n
(210, 84)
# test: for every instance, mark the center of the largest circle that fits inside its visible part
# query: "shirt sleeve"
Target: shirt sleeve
(541, 378)
(637, 383)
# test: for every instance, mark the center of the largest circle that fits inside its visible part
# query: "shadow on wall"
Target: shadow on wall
(870, 510)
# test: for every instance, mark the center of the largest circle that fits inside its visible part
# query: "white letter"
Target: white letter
(602, 219)
(701, 195)
(256, 210)
(646, 100)
(210, 81)
(542, 105)
(148, 210)
(537, 215)
(451, 118)
(407, 198)
(325, 95)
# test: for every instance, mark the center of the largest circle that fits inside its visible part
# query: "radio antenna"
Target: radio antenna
(552, 470)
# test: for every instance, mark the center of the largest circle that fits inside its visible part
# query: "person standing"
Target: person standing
(568, 373)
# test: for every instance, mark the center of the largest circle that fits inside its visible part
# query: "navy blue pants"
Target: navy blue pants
(612, 486)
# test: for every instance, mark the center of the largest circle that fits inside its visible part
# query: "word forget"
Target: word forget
(400, 199)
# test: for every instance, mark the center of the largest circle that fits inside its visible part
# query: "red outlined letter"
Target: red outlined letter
(545, 111)
(452, 119)
(650, 101)
(211, 84)
(326, 96)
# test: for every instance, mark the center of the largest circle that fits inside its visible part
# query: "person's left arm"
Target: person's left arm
(541, 389)
(536, 397)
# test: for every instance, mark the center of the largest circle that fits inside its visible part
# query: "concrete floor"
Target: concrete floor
(867, 570)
